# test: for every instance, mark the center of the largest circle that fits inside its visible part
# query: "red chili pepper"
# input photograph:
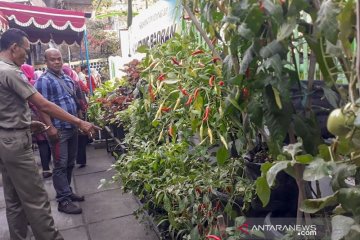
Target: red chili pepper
(165, 109)
(221, 83)
(175, 61)
(213, 237)
(245, 93)
(247, 73)
(206, 114)
(161, 77)
(215, 59)
(282, 2)
(171, 131)
(189, 101)
(211, 80)
(196, 93)
(197, 52)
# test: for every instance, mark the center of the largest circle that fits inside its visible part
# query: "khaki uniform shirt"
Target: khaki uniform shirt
(14, 90)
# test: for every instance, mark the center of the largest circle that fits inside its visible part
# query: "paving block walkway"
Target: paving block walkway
(107, 212)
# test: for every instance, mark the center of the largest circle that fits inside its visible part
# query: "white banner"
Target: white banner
(154, 25)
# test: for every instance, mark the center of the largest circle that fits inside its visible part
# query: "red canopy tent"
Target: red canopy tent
(43, 24)
(3, 23)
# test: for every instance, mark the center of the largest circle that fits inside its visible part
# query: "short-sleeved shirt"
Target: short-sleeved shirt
(49, 86)
(15, 89)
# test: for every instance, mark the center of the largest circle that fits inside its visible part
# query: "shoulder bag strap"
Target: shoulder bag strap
(72, 93)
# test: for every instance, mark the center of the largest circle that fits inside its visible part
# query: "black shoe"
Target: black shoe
(77, 198)
(69, 207)
(46, 174)
(82, 165)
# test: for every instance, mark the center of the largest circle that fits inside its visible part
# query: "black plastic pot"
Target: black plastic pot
(319, 103)
(283, 197)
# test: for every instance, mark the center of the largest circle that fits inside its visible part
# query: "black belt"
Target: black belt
(13, 129)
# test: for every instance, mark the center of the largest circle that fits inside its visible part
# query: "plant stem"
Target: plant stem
(201, 31)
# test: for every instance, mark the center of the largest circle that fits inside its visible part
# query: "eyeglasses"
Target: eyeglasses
(27, 50)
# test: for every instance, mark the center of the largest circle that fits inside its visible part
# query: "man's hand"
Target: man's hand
(88, 128)
(53, 135)
(38, 127)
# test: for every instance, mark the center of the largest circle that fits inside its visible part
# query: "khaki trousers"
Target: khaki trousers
(25, 196)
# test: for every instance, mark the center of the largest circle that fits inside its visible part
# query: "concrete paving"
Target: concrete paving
(107, 212)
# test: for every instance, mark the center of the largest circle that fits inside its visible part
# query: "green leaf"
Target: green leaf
(304, 159)
(263, 190)
(324, 152)
(340, 226)
(316, 170)
(274, 170)
(234, 103)
(349, 198)
(344, 146)
(271, 49)
(247, 58)
(331, 96)
(293, 149)
(194, 234)
(245, 32)
(286, 29)
(315, 205)
(255, 112)
(277, 97)
(340, 174)
(171, 81)
(354, 232)
(309, 131)
(347, 19)
(326, 20)
(221, 156)
(143, 49)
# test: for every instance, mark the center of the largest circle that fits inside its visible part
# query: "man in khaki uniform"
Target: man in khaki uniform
(25, 196)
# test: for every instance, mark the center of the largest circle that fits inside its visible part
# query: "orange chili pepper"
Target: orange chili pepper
(197, 52)
(165, 109)
(151, 93)
(196, 93)
(171, 131)
(206, 114)
(211, 80)
(175, 61)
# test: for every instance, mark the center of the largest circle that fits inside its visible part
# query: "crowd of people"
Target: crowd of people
(49, 107)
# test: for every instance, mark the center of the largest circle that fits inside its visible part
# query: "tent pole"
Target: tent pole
(81, 55)
(87, 61)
